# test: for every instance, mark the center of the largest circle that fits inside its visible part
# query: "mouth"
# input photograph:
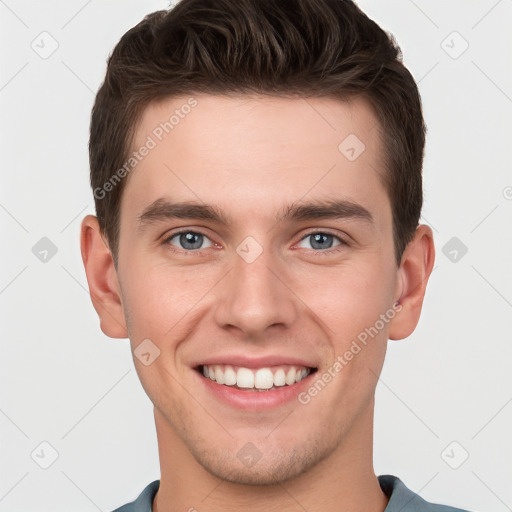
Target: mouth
(263, 379)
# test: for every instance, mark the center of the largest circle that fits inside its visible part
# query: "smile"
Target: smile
(255, 379)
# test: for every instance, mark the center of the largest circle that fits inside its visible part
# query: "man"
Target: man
(256, 166)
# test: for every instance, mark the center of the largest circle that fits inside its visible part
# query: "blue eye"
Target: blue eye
(322, 241)
(189, 240)
(193, 241)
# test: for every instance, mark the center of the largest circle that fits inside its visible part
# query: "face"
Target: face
(256, 255)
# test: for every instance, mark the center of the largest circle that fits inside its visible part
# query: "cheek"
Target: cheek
(351, 306)
(350, 299)
(160, 300)
(161, 303)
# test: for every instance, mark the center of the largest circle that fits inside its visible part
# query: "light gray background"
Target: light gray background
(63, 382)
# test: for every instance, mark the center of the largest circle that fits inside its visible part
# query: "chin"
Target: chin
(272, 468)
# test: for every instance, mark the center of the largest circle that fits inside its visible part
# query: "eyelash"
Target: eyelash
(321, 253)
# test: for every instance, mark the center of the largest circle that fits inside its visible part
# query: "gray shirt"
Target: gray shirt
(401, 499)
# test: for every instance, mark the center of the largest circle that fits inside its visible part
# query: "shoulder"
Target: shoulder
(402, 498)
(144, 502)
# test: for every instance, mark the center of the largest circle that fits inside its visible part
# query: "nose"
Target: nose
(255, 296)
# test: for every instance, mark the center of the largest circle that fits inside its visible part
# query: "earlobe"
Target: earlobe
(413, 274)
(102, 279)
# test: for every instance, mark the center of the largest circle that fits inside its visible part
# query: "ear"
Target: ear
(415, 269)
(102, 278)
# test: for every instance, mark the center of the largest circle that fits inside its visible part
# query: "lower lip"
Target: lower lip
(255, 400)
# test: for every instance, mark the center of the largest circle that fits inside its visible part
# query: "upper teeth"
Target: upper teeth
(261, 378)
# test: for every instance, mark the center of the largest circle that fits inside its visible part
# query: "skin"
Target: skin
(250, 157)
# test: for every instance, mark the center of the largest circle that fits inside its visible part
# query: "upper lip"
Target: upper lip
(255, 362)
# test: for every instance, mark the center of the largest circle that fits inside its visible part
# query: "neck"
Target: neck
(344, 481)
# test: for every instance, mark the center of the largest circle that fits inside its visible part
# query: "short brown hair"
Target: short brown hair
(287, 48)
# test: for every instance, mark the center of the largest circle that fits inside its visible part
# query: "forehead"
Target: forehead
(256, 150)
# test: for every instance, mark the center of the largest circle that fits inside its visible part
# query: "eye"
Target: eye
(321, 241)
(189, 240)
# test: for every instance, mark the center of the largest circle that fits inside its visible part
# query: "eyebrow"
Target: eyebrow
(162, 209)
